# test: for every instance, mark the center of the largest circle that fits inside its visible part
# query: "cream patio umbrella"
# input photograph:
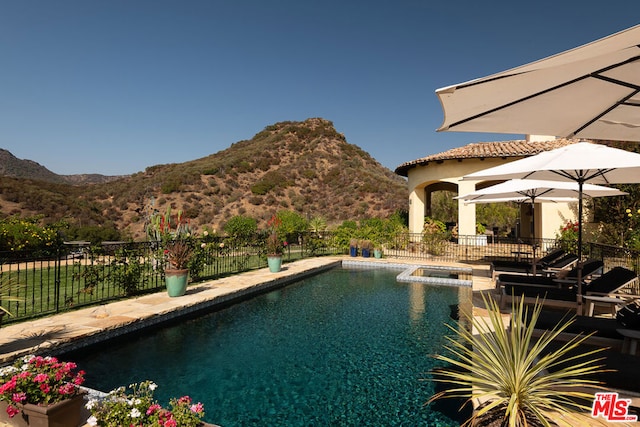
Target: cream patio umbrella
(591, 92)
(581, 163)
(537, 191)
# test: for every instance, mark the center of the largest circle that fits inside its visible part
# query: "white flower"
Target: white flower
(135, 413)
(91, 403)
(205, 233)
(203, 245)
(92, 421)
(137, 401)
(8, 370)
(221, 245)
(153, 386)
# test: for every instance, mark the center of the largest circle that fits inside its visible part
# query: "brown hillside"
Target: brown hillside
(13, 167)
(307, 167)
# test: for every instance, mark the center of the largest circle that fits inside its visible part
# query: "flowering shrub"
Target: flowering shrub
(568, 237)
(632, 234)
(18, 234)
(434, 236)
(139, 408)
(38, 380)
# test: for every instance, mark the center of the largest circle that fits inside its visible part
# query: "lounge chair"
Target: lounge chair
(523, 267)
(604, 329)
(557, 280)
(606, 285)
(620, 371)
(565, 262)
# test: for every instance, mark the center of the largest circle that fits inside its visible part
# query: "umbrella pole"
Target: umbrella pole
(533, 232)
(579, 301)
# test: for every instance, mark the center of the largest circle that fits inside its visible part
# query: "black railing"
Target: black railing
(73, 276)
(78, 276)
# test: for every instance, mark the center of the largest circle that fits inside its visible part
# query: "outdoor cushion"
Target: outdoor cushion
(610, 282)
(588, 269)
(527, 267)
(621, 370)
(629, 316)
(604, 327)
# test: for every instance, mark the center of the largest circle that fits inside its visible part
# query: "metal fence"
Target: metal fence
(74, 276)
(79, 276)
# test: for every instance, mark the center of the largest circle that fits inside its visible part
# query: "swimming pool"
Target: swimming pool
(349, 346)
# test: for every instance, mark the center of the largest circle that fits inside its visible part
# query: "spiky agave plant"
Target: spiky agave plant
(509, 369)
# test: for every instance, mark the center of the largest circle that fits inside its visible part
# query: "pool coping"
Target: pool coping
(74, 330)
(70, 331)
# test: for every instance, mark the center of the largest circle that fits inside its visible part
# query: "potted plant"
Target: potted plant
(509, 373)
(365, 247)
(41, 391)
(178, 253)
(275, 246)
(353, 247)
(174, 238)
(136, 406)
(377, 251)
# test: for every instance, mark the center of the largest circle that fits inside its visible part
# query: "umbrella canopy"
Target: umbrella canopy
(582, 163)
(537, 191)
(587, 92)
(521, 199)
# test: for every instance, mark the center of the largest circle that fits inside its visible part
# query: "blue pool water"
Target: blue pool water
(348, 347)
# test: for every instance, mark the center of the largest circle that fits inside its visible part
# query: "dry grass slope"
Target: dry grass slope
(307, 167)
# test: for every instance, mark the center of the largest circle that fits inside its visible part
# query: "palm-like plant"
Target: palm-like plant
(508, 369)
(9, 289)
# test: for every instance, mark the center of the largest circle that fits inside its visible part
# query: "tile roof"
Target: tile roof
(481, 150)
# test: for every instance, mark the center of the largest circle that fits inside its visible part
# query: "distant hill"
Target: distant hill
(307, 167)
(13, 167)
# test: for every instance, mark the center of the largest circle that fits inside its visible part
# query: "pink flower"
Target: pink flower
(45, 388)
(12, 411)
(170, 423)
(184, 399)
(8, 386)
(67, 388)
(19, 397)
(40, 378)
(153, 408)
(198, 408)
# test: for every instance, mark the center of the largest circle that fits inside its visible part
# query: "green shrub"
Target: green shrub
(241, 228)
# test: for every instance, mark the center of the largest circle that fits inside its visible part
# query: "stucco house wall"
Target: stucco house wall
(445, 170)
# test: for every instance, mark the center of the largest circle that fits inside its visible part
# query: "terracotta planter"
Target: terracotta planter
(176, 281)
(62, 414)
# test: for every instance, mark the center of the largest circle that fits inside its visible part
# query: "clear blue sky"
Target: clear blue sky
(115, 86)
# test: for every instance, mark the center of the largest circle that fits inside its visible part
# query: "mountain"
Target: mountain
(13, 167)
(307, 167)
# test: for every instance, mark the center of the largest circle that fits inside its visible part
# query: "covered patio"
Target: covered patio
(444, 171)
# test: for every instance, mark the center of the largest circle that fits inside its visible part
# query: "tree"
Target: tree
(500, 215)
(291, 224)
(241, 228)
